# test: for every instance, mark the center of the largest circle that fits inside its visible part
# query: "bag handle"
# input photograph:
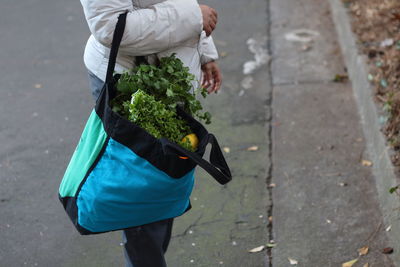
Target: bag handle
(116, 41)
(217, 167)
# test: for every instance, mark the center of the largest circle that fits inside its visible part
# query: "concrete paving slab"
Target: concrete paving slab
(325, 200)
(386, 176)
(325, 203)
(301, 61)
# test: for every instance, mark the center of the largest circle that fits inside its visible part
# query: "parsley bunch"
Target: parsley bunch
(149, 94)
(163, 122)
(169, 82)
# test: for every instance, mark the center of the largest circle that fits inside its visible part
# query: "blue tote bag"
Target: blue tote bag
(120, 176)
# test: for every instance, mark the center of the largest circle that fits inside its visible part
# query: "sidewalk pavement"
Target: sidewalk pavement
(325, 204)
(293, 136)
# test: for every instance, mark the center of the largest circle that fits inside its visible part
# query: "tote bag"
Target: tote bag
(120, 176)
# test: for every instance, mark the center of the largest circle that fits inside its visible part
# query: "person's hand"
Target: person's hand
(212, 77)
(210, 19)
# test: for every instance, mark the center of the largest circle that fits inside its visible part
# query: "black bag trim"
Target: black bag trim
(71, 208)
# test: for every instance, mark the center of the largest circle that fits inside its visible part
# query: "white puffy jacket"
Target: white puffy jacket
(159, 27)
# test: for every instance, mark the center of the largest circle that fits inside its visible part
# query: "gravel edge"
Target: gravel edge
(378, 152)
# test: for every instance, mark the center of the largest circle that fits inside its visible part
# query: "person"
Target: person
(154, 28)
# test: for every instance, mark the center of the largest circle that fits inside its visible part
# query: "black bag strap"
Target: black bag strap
(116, 41)
(217, 167)
(117, 37)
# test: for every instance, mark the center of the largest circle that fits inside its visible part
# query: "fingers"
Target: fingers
(212, 77)
(207, 82)
(214, 16)
(217, 79)
(210, 19)
(213, 19)
(213, 25)
(208, 30)
(209, 27)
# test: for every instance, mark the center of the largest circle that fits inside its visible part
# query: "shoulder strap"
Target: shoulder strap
(117, 37)
(216, 167)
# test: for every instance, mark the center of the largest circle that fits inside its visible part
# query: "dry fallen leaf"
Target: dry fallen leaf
(272, 185)
(366, 163)
(366, 265)
(339, 78)
(227, 149)
(387, 250)
(257, 249)
(363, 251)
(252, 148)
(293, 261)
(349, 263)
(38, 85)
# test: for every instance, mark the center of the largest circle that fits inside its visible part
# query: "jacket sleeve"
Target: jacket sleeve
(208, 51)
(148, 30)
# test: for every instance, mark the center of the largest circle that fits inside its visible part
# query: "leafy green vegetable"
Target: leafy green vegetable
(169, 82)
(156, 119)
(149, 95)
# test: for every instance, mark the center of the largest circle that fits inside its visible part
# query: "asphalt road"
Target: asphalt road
(44, 103)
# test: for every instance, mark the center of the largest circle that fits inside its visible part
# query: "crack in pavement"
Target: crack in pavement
(184, 233)
(269, 111)
(196, 224)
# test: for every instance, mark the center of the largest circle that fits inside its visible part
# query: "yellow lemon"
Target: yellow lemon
(194, 141)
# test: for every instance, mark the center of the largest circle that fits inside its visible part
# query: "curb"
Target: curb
(379, 153)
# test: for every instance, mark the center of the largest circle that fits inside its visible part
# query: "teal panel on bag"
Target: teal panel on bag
(126, 190)
(90, 145)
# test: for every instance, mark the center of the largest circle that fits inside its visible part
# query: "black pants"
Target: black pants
(144, 245)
